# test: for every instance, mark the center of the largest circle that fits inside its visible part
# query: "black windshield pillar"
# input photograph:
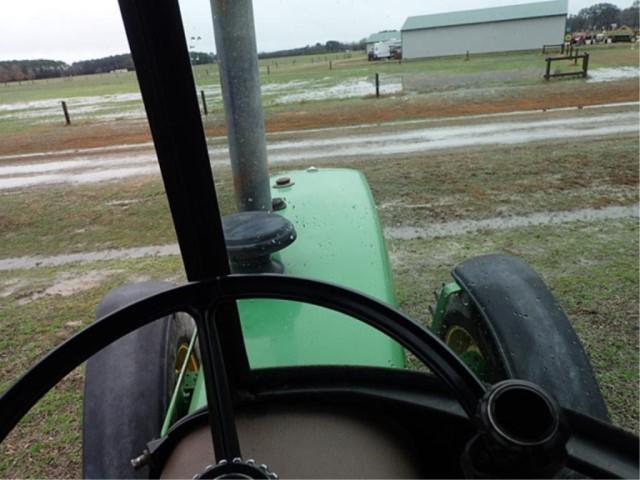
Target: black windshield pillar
(159, 50)
(157, 40)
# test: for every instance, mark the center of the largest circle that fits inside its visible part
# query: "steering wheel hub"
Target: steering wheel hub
(237, 468)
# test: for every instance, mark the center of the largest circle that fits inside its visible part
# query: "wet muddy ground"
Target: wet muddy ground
(127, 106)
(318, 146)
(432, 230)
(84, 135)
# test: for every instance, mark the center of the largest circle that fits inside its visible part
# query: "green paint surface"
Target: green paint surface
(340, 241)
(441, 307)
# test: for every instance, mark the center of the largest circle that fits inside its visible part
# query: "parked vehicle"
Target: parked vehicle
(386, 49)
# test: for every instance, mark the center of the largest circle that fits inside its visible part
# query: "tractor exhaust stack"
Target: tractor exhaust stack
(239, 75)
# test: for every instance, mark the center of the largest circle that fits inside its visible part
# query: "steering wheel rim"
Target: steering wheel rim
(442, 361)
(202, 300)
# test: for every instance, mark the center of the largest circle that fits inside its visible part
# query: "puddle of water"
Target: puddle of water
(77, 101)
(103, 107)
(129, 105)
(224, 150)
(269, 88)
(463, 139)
(80, 163)
(117, 165)
(443, 133)
(358, 87)
(110, 148)
(43, 167)
(78, 178)
(452, 118)
(122, 203)
(461, 227)
(612, 74)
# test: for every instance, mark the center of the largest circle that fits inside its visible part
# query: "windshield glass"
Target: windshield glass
(384, 147)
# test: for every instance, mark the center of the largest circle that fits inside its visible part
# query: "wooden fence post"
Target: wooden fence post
(547, 74)
(585, 65)
(204, 102)
(377, 86)
(67, 120)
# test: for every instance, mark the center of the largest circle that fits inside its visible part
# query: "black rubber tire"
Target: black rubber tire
(128, 387)
(512, 358)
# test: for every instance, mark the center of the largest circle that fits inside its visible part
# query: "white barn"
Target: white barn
(498, 29)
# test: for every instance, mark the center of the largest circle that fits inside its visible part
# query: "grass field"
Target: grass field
(590, 266)
(301, 92)
(291, 84)
(310, 67)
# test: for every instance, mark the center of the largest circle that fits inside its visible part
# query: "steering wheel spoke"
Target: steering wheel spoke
(219, 399)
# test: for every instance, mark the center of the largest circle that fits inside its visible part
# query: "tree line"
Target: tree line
(602, 16)
(332, 46)
(13, 70)
(18, 70)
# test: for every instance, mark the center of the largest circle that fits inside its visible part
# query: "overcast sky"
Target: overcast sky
(72, 30)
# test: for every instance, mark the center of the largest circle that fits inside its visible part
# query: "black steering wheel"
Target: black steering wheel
(540, 442)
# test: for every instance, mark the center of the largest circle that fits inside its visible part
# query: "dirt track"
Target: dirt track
(361, 142)
(330, 114)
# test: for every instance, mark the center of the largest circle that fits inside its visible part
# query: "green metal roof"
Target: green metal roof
(383, 36)
(485, 15)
